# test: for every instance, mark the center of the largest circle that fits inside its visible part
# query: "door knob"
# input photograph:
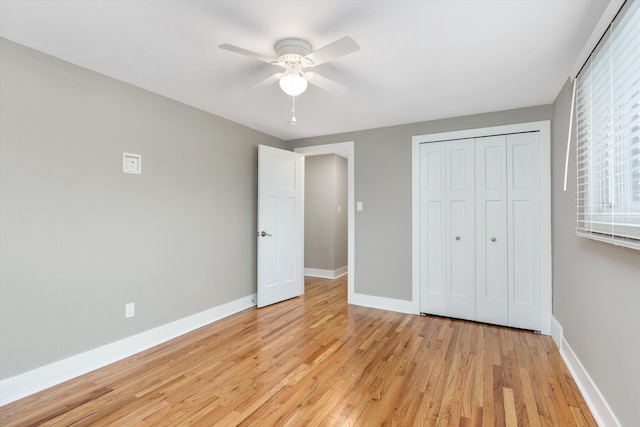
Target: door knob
(493, 239)
(457, 237)
(263, 234)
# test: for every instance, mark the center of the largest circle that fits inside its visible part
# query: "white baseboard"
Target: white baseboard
(556, 332)
(382, 303)
(325, 274)
(30, 382)
(595, 400)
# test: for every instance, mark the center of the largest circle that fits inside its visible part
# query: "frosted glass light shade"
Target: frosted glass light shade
(293, 84)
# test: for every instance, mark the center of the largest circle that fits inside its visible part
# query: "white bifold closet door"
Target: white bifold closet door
(491, 230)
(523, 200)
(460, 228)
(478, 244)
(433, 257)
(448, 218)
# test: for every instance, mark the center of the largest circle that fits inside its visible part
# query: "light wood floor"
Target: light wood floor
(314, 360)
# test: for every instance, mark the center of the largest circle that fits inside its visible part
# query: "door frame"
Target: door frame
(544, 214)
(344, 149)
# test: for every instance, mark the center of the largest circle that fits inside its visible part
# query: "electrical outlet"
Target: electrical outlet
(130, 309)
(131, 163)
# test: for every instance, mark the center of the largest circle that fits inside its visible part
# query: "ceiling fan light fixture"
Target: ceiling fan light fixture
(293, 84)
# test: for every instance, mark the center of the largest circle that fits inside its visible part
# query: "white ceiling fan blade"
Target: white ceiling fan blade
(267, 82)
(325, 84)
(342, 47)
(245, 52)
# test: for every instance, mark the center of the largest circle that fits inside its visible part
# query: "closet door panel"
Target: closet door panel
(491, 230)
(459, 249)
(433, 271)
(524, 252)
(460, 228)
(523, 242)
(494, 249)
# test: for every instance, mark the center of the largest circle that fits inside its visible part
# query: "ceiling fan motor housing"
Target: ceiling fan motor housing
(293, 50)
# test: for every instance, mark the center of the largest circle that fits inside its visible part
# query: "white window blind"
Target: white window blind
(608, 134)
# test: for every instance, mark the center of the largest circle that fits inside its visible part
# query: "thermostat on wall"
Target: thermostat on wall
(131, 163)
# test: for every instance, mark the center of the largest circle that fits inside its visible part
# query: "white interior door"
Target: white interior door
(491, 230)
(280, 225)
(433, 258)
(460, 228)
(524, 230)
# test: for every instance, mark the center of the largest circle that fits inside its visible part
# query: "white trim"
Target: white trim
(546, 278)
(595, 400)
(544, 127)
(556, 332)
(325, 274)
(415, 225)
(605, 20)
(38, 379)
(382, 303)
(341, 148)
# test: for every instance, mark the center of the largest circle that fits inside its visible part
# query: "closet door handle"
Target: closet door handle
(493, 239)
(457, 237)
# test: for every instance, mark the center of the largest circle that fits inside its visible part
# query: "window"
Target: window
(608, 134)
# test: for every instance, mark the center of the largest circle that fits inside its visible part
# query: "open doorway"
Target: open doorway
(325, 216)
(344, 150)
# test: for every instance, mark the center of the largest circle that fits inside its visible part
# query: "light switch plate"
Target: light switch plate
(129, 310)
(132, 163)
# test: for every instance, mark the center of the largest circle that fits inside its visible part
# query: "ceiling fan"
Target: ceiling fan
(294, 56)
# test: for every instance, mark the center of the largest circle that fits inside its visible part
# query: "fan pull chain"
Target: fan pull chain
(293, 121)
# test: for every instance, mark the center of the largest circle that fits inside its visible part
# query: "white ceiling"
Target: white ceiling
(418, 60)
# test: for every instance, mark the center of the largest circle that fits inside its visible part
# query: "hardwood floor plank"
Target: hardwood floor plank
(316, 361)
(528, 396)
(511, 416)
(498, 397)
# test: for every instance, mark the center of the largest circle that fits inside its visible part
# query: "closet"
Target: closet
(480, 229)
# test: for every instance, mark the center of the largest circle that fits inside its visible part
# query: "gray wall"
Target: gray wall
(383, 184)
(325, 229)
(341, 225)
(596, 288)
(79, 238)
